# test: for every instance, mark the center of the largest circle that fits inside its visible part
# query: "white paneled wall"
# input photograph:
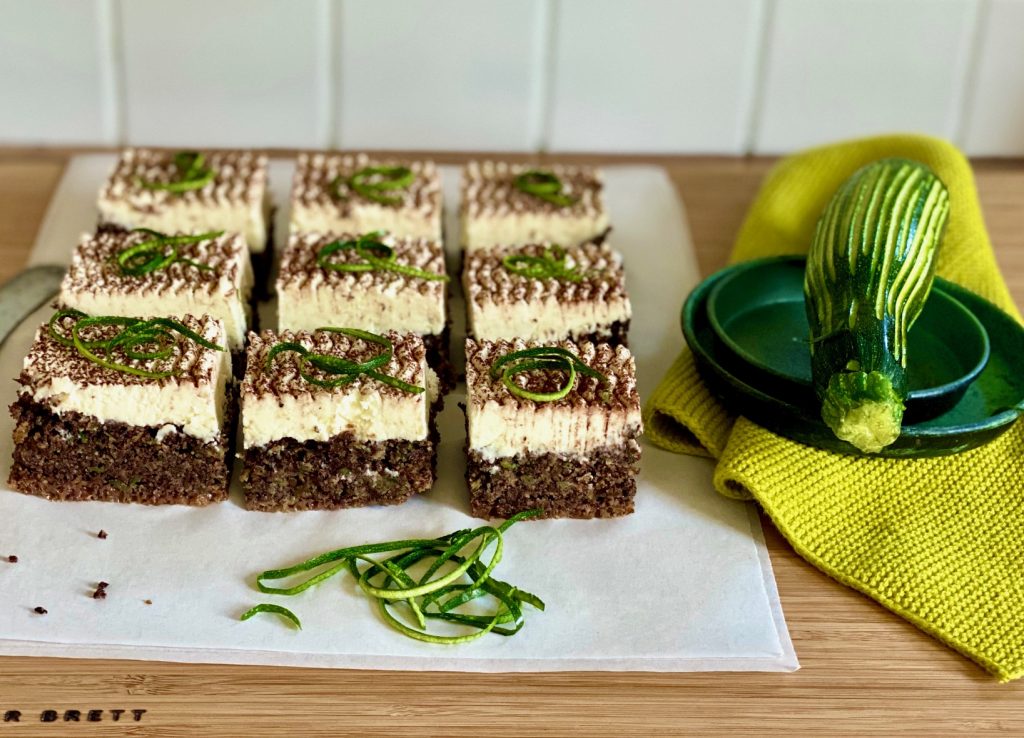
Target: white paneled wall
(902, 64)
(442, 74)
(672, 89)
(55, 64)
(672, 76)
(224, 72)
(996, 99)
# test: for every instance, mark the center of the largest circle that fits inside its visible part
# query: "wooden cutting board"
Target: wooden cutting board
(865, 671)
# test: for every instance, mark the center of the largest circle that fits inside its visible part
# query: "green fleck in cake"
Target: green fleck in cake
(552, 426)
(153, 431)
(319, 435)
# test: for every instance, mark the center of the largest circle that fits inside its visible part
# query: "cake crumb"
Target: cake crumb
(102, 534)
(148, 602)
(40, 610)
(101, 591)
(13, 559)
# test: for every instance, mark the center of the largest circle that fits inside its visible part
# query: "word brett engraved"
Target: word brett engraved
(74, 716)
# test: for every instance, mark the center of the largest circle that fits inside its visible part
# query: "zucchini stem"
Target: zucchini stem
(863, 409)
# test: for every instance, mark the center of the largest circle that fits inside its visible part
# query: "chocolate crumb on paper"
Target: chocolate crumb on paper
(101, 591)
(12, 559)
(148, 602)
(40, 610)
(102, 534)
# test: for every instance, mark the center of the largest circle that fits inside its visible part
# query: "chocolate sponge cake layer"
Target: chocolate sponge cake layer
(311, 446)
(439, 358)
(75, 457)
(263, 265)
(287, 474)
(599, 485)
(616, 335)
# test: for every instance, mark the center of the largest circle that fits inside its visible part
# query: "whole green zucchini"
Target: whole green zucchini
(869, 272)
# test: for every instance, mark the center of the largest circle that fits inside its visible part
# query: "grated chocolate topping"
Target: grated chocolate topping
(616, 363)
(299, 268)
(488, 189)
(94, 268)
(240, 179)
(487, 280)
(314, 173)
(48, 359)
(282, 378)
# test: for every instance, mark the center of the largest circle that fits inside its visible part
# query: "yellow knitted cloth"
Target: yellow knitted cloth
(939, 541)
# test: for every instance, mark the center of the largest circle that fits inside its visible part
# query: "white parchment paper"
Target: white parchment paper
(684, 584)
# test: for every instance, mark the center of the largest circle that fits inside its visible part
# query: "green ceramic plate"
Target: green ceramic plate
(991, 404)
(757, 310)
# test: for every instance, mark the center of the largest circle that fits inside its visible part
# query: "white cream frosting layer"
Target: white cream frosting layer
(547, 320)
(499, 430)
(591, 418)
(520, 229)
(199, 410)
(365, 217)
(369, 415)
(378, 309)
(184, 217)
(229, 304)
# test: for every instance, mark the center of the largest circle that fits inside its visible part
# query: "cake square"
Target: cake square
(575, 455)
(352, 193)
(543, 292)
(378, 282)
(515, 204)
(312, 446)
(90, 431)
(190, 192)
(137, 273)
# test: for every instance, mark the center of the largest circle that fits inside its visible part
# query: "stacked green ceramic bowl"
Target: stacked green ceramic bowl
(962, 374)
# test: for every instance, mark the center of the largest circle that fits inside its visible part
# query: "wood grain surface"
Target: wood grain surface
(865, 671)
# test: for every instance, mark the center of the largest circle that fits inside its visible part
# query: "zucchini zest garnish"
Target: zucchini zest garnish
(192, 174)
(450, 580)
(152, 339)
(376, 256)
(341, 371)
(545, 358)
(544, 185)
